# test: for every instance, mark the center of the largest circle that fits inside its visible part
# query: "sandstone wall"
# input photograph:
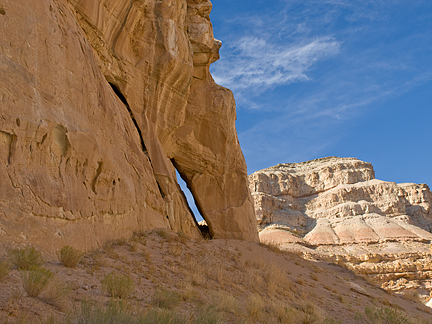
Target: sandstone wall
(98, 101)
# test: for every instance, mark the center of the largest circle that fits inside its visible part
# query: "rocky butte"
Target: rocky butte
(334, 209)
(101, 101)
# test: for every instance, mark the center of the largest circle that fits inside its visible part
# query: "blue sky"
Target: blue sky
(316, 78)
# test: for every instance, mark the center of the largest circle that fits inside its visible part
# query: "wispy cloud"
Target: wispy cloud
(258, 64)
(293, 44)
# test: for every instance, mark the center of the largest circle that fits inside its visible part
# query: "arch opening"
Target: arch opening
(194, 208)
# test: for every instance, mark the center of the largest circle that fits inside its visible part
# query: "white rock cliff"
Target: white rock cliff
(334, 209)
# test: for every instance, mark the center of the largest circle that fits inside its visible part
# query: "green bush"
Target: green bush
(117, 286)
(26, 258)
(34, 281)
(70, 256)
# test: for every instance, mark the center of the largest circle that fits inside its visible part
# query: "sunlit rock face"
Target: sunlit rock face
(334, 209)
(100, 102)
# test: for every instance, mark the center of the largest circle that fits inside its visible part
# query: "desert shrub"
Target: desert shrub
(224, 301)
(176, 249)
(117, 286)
(117, 312)
(207, 315)
(26, 258)
(162, 316)
(308, 313)
(255, 306)
(385, 315)
(166, 299)
(70, 256)
(282, 313)
(162, 232)
(34, 281)
(181, 238)
(4, 269)
(56, 294)
(90, 313)
(331, 321)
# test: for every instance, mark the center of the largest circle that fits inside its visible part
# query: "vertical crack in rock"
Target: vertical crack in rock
(204, 228)
(122, 98)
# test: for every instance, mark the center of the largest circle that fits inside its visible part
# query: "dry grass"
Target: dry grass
(117, 286)
(120, 313)
(34, 281)
(56, 294)
(255, 307)
(178, 280)
(162, 232)
(226, 302)
(166, 299)
(176, 249)
(70, 256)
(385, 315)
(308, 313)
(282, 313)
(26, 258)
(4, 269)
(207, 315)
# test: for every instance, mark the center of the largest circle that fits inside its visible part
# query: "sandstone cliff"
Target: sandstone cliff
(100, 102)
(334, 209)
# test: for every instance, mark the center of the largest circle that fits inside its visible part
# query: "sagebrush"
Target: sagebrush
(70, 256)
(26, 258)
(34, 281)
(117, 286)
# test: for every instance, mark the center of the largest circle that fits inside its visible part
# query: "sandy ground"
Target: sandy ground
(236, 281)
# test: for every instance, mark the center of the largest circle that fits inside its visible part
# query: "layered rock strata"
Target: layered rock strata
(100, 102)
(334, 209)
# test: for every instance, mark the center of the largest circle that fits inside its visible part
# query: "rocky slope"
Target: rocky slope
(100, 102)
(334, 209)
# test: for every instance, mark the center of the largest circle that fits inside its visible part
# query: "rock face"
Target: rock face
(100, 102)
(334, 209)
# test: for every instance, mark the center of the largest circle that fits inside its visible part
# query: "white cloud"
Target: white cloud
(259, 64)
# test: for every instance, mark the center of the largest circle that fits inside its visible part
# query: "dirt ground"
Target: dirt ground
(202, 281)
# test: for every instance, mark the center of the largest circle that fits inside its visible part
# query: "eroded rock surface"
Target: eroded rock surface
(100, 102)
(334, 209)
